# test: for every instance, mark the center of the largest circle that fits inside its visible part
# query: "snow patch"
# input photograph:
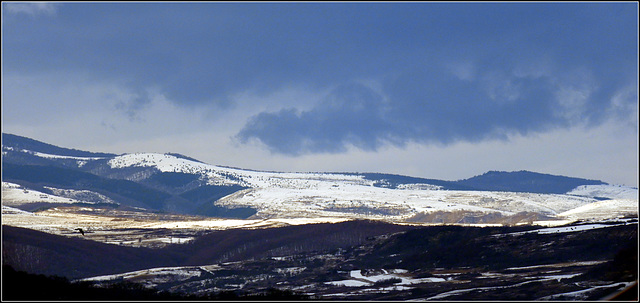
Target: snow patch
(6, 210)
(566, 229)
(15, 195)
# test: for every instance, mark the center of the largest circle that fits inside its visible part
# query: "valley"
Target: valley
(356, 260)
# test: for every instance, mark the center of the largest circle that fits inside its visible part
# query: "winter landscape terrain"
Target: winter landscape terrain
(175, 225)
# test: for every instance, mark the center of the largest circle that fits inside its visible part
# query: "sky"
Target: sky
(443, 90)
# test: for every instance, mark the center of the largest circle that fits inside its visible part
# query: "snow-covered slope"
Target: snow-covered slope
(6, 210)
(16, 195)
(605, 191)
(603, 210)
(372, 202)
(219, 175)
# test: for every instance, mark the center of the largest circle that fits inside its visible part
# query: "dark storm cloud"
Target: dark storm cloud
(423, 106)
(530, 66)
(350, 114)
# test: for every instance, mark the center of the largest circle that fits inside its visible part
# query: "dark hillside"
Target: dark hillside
(526, 181)
(23, 158)
(206, 195)
(240, 244)
(124, 191)
(56, 288)
(19, 142)
(457, 246)
(392, 181)
(42, 253)
(61, 289)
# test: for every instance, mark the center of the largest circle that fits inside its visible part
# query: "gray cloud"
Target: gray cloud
(350, 114)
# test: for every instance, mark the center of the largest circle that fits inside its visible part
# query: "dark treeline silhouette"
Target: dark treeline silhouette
(19, 285)
(526, 181)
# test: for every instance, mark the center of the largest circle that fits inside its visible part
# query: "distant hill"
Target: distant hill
(392, 181)
(19, 142)
(526, 181)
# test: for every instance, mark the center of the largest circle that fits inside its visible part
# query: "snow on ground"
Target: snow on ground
(489, 288)
(301, 198)
(335, 195)
(583, 294)
(175, 240)
(136, 231)
(561, 265)
(360, 280)
(82, 195)
(290, 195)
(349, 283)
(50, 156)
(603, 210)
(567, 229)
(355, 200)
(560, 277)
(219, 175)
(15, 195)
(173, 273)
(14, 211)
(605, 191)
(219, 224)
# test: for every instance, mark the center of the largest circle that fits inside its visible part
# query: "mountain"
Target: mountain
(179, 184)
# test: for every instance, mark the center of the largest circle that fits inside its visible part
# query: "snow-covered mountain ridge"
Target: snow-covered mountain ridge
(219, 175)
(177, 183)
